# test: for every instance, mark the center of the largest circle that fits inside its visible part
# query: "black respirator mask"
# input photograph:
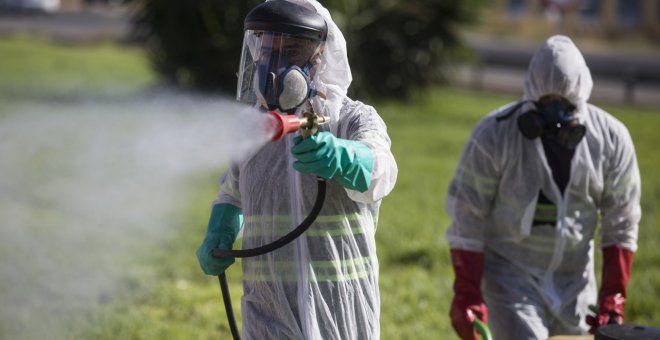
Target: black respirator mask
(552, 119)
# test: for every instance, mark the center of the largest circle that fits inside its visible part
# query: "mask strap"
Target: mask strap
(320, 94)
(508, 113)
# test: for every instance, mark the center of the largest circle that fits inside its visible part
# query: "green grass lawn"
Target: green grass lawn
(35, 70)
(163, 293)
(427, 139)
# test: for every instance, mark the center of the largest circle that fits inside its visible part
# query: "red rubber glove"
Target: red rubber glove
(468, 303)
(612, 295)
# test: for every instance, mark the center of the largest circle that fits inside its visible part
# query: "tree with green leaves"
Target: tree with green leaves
(394, 47)
(193, 44)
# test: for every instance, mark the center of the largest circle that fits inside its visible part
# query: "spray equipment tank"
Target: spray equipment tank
(626, 332)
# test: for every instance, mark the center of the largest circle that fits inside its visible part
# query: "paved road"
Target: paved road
(509, 80)
(619, 78)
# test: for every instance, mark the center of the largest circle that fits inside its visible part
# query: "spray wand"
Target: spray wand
(281, 125)
(307, 124)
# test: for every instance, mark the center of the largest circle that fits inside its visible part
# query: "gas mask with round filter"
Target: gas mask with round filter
(553, 118)
(281, 46)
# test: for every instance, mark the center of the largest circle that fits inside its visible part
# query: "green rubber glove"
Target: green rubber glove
(224, 224)
(347, 161)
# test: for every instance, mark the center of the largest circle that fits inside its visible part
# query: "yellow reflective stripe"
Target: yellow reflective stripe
(360, 261)
(337, 218)
(319, 278)
(351, 269)
(335, 232)
(261, 277)
(328, 225)
(343, 277)
(313, 231)
(271, 219)
(287, 218)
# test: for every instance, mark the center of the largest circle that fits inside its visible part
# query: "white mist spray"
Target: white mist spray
(83, 185)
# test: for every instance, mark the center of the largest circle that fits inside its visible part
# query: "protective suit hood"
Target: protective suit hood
(558, 67)
(333, 73)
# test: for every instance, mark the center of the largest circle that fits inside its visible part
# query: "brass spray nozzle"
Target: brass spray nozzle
(310, 123)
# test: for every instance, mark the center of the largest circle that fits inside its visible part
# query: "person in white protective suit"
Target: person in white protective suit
(324, 284)
(534, 180)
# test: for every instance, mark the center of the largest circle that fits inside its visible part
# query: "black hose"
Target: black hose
(226, 298)
(284, 240)
(267, 248)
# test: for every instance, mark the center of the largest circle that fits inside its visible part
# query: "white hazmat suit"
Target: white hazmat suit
(539, 280)
(324, 285)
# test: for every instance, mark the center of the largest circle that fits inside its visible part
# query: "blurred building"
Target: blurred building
(609, 19)
(75, 5)
(29, 5)
(620, 40)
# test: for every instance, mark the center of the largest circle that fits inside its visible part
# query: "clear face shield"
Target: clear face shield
(276, 69)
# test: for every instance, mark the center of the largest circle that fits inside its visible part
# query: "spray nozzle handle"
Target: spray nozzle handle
(284, 124)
